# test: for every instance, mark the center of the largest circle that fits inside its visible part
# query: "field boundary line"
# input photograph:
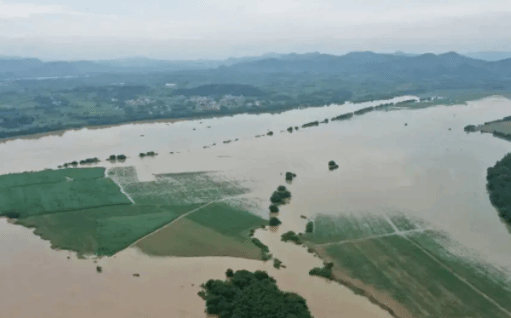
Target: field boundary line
(371, 237)
(433, 257)
(178, 218)
(120, 186)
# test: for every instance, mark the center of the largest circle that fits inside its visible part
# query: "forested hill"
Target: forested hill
(356, 63)
(381, 65)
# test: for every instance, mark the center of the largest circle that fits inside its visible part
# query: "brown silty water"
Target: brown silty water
(422, 169)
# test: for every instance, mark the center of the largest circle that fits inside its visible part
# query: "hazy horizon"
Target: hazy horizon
(187, 30)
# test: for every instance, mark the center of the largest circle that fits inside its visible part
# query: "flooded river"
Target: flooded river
(429, 169)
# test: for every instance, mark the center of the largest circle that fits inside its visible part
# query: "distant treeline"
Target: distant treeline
(218, 90)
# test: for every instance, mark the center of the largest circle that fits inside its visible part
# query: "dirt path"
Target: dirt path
(371, 237)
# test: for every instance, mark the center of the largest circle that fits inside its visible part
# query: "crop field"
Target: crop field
(424, 271)
(218, 229)
(82, 211)
(348, 227)
(181, 188)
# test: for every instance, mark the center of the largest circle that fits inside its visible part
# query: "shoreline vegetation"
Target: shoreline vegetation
(59, 128)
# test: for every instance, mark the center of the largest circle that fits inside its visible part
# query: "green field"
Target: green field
(218, 229)
(345, 227)
(80, 210)
(423, 270)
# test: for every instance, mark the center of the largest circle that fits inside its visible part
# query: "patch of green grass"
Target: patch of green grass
(227, 220)
(90, 231)
(187, 238)
(39, 199)
(347, 227)
(399, 268)
(49, 176)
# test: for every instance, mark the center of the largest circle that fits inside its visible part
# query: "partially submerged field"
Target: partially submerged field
(412, 270)
(83, 210)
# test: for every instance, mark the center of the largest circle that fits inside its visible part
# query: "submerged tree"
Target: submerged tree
(274, 208)
(274, 221)
(252, 295)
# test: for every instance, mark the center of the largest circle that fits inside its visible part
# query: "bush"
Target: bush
(277, 263)
(290, 236)
(270, 133)
(112, 157)
(274, 221)
(290, 129)
(325, 272)
(281, 188)
(229, 273)
(142, 155)
(309, 228)
(260, 244)
(274, 208)
(121, 157)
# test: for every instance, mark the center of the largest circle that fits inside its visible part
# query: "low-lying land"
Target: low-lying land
(395, 258)
(81, 210)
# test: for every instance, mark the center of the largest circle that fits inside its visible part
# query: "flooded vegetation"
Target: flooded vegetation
(399, 224)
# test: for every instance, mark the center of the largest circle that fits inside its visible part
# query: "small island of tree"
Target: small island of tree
(290, 176)
(332, 165)
(274, 208)
(251, 295)
(290, 236)
(274, 221)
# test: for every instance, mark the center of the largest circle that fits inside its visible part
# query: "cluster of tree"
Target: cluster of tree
(309, 228)
(118, 157)
(291, 236)
(499, 186)
(264, 248)
(274, 208)
(149, 154)
(281, 196)
(502, 135)
(11, 214)
(343, 117)
(277, 263)
(290, 176)
(82, 162)
(251, 295)
(325, 271)
(274, 221)
(12, 122)
(364, 110)
(470, 128)
(311, 124)
(332, 165)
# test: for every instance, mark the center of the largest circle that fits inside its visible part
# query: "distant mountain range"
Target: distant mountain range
(363, 63)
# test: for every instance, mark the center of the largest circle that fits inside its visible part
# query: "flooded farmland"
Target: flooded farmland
(417, 163)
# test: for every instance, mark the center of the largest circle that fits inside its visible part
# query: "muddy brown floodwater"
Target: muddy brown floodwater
(423, 170)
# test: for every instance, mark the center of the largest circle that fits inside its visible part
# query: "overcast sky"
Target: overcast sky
(190, 29)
